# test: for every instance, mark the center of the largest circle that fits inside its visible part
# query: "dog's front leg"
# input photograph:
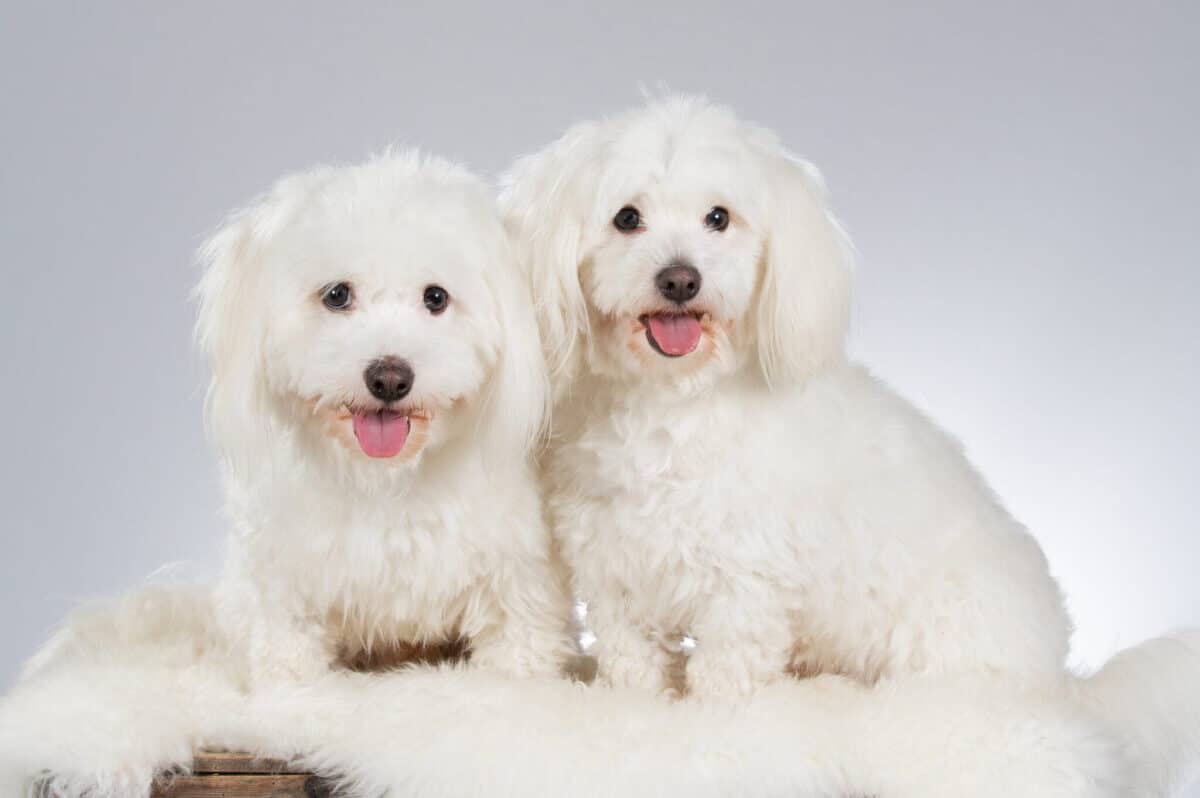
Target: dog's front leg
(740, 646)
(273, 637)
(628, 653)
(518, 622)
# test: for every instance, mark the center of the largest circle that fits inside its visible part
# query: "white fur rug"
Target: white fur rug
(130, 688)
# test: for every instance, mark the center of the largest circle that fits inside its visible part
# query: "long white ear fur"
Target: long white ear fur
(230, 326)
(803, 307)
(546, 200)
(517, 406)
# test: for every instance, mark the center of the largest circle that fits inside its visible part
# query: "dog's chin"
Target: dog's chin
(379, 435)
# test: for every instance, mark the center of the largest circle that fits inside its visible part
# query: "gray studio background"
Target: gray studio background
(1021, 181)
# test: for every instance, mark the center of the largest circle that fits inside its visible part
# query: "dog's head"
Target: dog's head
(369, 314)
(675, 244)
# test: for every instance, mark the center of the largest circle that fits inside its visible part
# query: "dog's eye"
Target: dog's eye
(717, 219)
(338, 296)
(627, 219)
(436, 299)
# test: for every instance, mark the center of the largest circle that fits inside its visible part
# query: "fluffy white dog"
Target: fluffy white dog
(363, 519)
(718, 468)
(377, 383)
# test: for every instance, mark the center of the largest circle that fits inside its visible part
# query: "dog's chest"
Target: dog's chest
(665, 491)
(385, 569)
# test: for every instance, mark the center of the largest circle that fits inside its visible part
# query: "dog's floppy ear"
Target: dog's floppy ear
(517, 405)
(804, 299)
(230, 328)
(546, 200)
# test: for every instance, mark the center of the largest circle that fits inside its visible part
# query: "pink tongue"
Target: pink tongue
(675, 335)
(381, 433)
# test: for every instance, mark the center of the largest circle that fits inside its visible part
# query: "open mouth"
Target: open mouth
(673, 335)
(381, 433)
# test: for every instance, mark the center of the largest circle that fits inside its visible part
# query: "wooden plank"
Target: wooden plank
(231, 774)
(234, 762)
(288, 785)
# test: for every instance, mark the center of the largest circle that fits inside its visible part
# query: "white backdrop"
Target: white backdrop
(1021, 181)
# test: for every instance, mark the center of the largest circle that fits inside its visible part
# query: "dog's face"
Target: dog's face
(676, 244)
(670, 275)
(373, 312)
(379, 321)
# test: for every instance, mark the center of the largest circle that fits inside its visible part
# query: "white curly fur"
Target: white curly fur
(335, 553)
(760, 494)
(334, 550)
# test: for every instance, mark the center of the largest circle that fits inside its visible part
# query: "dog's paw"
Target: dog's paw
(726, 677)
(631, 672)
(271, 671)
(521, 662)
(119, 782)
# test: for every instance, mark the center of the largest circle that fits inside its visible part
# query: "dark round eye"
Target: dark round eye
(717, 219)
(627, 219)
(436, 299)
(339, 296)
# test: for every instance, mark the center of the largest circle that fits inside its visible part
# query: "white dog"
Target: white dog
(376, 387)
(718, 469)
(338, 545)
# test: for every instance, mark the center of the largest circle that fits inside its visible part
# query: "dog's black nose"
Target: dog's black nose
(389, 379)
(678, 283)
